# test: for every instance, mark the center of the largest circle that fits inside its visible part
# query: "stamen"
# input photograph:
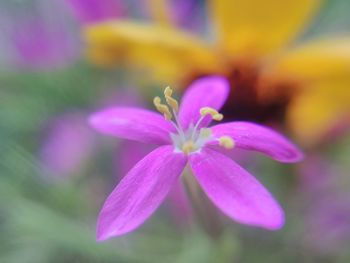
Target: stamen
(218, 117)
(204, 111)
(205, 133)
(172, 103)
(162, 108)
(168, 91)
(226, 142)
(156, 101)
(188, 147)
(170, 100)
(210, 111)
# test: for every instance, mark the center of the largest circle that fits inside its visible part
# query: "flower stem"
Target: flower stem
(205, 212)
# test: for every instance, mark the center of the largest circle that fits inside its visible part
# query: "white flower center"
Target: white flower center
(191, 140)
(194, 138)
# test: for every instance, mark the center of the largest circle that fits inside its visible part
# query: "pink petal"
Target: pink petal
(250, 136)
(69, 144)
(180, 204)
(140, 192)
(89, 11)
(128, 153)
(237, 193)
(205, 92)
(134, 124)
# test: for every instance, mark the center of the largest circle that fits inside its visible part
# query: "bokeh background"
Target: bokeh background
(55, 171)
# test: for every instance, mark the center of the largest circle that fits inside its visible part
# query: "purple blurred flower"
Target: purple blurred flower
(187, 140)
(40, 38)
(40, 46)
(187, 13)
(88, 11)
(69, 145)
(326, 202)
(70, 141)
(328, 227)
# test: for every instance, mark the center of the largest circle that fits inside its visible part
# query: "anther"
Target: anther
(226, 142)
(170, 100)
(168, 91)
(205, 133)
(172, 103)
(218, 117)
(210, 111)
(162, 108)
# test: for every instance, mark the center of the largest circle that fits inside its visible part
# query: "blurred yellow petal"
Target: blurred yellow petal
(328, 58)
(164, 51)
(315, 111)
(259, 26)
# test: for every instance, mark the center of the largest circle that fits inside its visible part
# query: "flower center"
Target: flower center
(193, 138)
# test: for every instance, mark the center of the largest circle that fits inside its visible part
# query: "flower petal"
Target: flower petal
(319, 109)
(237, 193)
(96, 10)
(256, 27)
(133, 124)
(117, 42)
(324, 101)
(205, 92)
(320, 59)
(70, 143)
(140, 192)
(250, 136)
(128, 153)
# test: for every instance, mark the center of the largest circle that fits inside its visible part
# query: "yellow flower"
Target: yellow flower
(304, 85)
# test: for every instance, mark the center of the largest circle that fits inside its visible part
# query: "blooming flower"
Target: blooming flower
(68, 146)
(272, 79)
(70, 142)
(39, 38)
(325, 206)
(88, 11)
(184, 139)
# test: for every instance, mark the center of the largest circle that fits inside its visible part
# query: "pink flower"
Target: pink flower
(68, 146)
(88, 11)
(187, 140)
(38, 38)
(325, 205)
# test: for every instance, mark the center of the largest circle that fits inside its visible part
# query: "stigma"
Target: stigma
(194, 138)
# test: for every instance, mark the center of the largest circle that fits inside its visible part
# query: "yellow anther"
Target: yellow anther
(213, 112)
(162, 108)
(226, 142)
(157, 101)
(170, 100)
(218, 117)
(208, 110)
(165, 110)
(188, 147)
(172, 103)
(168, 91)
(205, 133)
